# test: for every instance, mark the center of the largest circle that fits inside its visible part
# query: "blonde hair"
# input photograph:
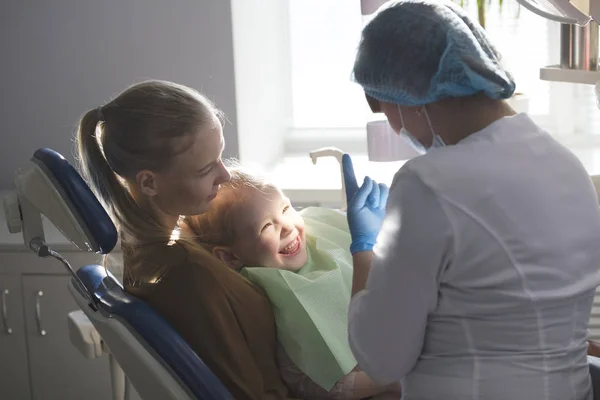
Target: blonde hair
(217, 226)
(144, 127)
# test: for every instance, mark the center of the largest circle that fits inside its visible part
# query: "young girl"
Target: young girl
(302, 263)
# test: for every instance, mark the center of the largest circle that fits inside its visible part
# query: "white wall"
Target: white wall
(263, 78)
(60, 58)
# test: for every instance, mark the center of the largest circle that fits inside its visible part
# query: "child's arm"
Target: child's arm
(298, 383)
(593, 348)
(354, 386)
(365, 387)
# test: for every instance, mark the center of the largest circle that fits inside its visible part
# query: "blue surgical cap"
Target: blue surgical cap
(416, 52)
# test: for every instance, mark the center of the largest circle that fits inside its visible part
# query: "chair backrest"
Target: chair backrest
(594, 363)
(155, 358)
(596, 182)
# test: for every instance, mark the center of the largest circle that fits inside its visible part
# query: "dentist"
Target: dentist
(475, 278)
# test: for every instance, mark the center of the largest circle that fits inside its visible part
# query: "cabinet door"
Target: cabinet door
(14, 377)
(58, 369)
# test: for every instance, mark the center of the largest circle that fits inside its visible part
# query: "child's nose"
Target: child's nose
(286, 228)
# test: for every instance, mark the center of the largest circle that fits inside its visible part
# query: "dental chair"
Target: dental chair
(154, 357)
(594, 363)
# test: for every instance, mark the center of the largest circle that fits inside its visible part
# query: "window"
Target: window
(324, 36)
(329, 109)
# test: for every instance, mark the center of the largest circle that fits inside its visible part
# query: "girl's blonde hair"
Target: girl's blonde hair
(217, 226)
(144, 127)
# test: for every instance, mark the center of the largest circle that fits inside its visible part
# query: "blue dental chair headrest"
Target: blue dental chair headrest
(80, 199)
(154, 332)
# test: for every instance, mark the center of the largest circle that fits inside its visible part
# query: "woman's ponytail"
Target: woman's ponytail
(94, 166)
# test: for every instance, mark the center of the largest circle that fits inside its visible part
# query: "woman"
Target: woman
(152, 155)
(482, 280)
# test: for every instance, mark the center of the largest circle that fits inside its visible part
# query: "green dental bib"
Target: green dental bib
(311, 305)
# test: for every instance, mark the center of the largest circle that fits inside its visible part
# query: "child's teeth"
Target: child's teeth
(290, 246)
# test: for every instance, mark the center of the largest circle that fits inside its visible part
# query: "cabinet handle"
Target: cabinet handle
(7, 329)
(38, 313)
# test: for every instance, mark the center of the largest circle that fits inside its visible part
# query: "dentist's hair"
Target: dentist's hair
(143, 128)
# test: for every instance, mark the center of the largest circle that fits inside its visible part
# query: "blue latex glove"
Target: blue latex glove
(366, 208)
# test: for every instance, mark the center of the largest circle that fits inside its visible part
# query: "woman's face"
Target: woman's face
(192, 180)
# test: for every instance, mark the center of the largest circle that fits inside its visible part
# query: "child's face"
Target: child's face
(270, 232)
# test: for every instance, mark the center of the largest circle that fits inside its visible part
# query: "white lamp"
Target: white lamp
(385, 145)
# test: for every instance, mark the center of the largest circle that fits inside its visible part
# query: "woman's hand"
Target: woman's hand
(366, 208)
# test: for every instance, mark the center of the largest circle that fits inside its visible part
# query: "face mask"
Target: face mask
(410, 139)
(418, 146)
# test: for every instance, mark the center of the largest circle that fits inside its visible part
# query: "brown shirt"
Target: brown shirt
(224, 318)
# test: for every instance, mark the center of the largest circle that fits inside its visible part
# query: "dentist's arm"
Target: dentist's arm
(366, 210)
(388, 318)
(362, 266)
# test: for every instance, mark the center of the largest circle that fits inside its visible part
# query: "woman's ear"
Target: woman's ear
(146, 181)
(227, 256)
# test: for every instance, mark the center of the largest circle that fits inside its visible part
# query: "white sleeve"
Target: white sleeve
(388, 319)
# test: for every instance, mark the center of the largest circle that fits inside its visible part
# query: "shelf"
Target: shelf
(556, 74)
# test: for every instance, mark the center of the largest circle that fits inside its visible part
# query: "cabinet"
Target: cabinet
(14, 379)
(57, 368)
(38, 361)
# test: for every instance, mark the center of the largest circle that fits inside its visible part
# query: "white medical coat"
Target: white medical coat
(484, 272)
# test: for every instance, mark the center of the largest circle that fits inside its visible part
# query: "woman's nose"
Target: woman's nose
(224, 175)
